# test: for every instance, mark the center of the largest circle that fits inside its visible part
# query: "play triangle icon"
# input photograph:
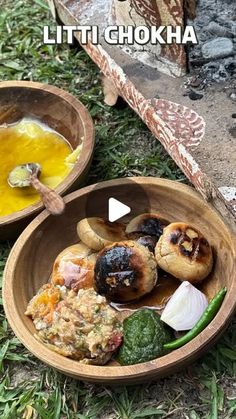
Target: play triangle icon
(117, 210)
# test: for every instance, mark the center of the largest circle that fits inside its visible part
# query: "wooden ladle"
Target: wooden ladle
(27, 175)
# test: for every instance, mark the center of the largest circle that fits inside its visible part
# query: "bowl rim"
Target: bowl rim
(85, 156)
(163, 366)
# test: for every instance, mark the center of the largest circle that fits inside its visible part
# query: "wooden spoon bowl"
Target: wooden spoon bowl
(63, 113)
(30, 264)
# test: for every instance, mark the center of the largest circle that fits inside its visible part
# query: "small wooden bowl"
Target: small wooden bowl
(63, 113)
(31, 259)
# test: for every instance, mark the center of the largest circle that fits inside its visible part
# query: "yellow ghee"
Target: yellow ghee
(29, 141)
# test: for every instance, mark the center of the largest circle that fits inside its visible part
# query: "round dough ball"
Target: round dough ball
(74, 267)
(148, 224)
(125, 271)
(148, 241)
(96, 232)
(184, 252)
(78, 250)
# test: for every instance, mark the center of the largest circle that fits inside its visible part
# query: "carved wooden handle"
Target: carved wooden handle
(52, 201)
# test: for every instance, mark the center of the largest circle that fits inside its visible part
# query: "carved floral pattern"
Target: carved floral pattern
(148, 9)
(152, 11)
(175, 8)
(185, 123)
(175, 53)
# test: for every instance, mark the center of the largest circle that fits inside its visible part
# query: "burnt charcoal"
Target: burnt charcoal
(195, 96)
(231, 68)
(232, 130)
(215, 26)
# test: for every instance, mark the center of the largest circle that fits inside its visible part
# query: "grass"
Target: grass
(124, 147)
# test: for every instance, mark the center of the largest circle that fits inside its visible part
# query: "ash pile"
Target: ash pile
(213, 60)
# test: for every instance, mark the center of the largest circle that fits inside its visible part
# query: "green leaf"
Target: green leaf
(3, 352)
(13, 65)
(42, 4)
(228, 353)
(147, 413)
(57, 411)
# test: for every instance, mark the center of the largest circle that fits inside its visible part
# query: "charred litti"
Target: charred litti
(96, 232)
(148, 224)
(149, 242)
(125, 271)
(184, 252)
(74, 267)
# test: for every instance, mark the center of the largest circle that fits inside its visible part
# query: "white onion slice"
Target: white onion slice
(185, 307)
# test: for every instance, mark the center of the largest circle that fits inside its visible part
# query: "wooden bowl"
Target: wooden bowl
(62, 112)
(31, 259)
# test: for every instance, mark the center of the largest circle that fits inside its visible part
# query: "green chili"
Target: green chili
(204, 320)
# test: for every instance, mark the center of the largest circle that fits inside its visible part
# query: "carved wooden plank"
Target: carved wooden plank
(195, 134)
(170, 59)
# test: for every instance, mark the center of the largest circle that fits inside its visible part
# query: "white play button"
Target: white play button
(117, 210)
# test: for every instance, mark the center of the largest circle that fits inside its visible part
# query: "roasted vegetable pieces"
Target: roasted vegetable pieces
(79, 325)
